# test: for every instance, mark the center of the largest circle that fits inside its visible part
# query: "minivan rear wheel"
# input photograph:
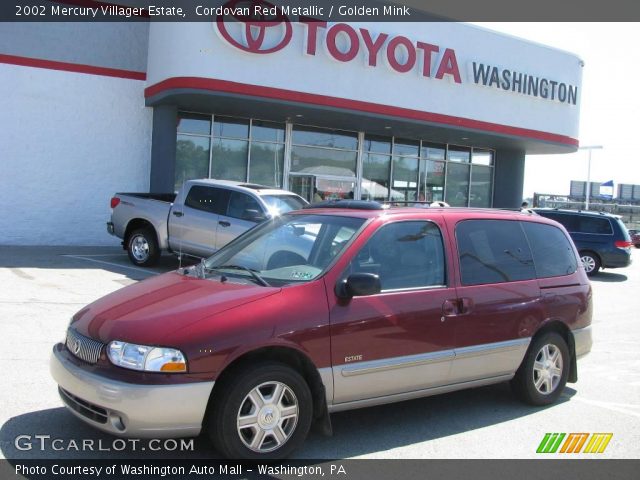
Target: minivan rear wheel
(261, 413)
(543, 373)
(591, 262)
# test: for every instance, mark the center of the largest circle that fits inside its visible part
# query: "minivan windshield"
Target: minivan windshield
(287, 249)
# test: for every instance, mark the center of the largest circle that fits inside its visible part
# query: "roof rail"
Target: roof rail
(351, 204)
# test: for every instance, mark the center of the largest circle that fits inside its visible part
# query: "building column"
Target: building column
(163, 149)
(508, 180)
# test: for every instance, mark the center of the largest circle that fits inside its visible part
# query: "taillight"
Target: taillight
(623, 244)
(115, 201)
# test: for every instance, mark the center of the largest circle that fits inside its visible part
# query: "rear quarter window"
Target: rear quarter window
(552, 251)
(600, 226)
(493, 251)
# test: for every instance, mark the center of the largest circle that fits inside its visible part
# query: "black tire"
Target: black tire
(222, 423)
(591, 263)
(524, 382)
(142, 247)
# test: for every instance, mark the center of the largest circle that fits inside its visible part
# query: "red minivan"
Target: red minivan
(326, 309)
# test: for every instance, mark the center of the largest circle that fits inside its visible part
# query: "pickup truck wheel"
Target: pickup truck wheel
(544, 371)
(142, 247)
(261, 413)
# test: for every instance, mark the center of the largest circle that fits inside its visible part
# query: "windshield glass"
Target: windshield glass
(287, 249)
(279, 204)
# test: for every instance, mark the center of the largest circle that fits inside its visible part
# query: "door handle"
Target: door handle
(449, 309)
(224, 223)
(177, 214)
(455, 307)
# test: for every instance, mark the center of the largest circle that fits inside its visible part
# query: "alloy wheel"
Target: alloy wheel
(547, 369)
(267, 417)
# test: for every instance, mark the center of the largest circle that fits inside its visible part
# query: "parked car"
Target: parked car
(385, 305)
(635, 237)
(204, 216)
(601, 238)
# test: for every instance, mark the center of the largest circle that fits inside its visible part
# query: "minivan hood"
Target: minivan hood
(150, 311)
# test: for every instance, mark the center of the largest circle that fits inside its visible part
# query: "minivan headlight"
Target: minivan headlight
(144, 358)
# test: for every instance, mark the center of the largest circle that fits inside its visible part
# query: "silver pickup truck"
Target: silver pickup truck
(204, 216)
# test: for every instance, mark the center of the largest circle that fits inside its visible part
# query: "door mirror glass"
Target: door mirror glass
(359, 285)
(253, 215)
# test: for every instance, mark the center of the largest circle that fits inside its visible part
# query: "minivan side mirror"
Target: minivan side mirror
(358, 285)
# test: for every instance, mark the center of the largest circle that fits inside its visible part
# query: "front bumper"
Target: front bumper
(583, 341)
(131, 410)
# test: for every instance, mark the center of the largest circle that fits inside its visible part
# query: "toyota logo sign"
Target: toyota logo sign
(252, 33)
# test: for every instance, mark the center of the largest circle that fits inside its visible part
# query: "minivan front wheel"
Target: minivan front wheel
(261, 413)
(591, 263)
(544, 370)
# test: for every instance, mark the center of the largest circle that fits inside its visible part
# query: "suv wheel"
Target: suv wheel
(544, 371)
(261, 413)
(591, 262)
(142, 247)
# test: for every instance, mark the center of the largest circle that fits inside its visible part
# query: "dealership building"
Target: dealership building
(377, 111)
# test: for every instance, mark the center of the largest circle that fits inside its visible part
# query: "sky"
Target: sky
(610, 103)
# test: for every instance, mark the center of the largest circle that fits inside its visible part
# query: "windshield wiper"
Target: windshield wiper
(251, 271)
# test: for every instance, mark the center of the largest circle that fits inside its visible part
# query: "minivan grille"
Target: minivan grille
(84, 348)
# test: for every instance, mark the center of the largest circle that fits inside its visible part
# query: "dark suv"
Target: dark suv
(601, 238)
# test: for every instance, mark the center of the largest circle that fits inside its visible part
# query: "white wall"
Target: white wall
(68, 141)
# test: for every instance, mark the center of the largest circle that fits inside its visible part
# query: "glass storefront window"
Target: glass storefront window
(323, 161)
(194, 123)
(457, 190)
(406, 147)
(482, 157)
(321, 137)
(267, 131)
(375, 176)
(459, 154)
(432, 182)
(230, 127)
(376, 144)
(267, 163)
(433, 152)
(405, 178)
(229, 159)
(192, 159)
(392, 168)
(481, 181)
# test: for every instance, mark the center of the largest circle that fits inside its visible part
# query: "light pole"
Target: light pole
(590, 148)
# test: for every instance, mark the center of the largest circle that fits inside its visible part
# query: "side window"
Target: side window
(569, 222)
(552, 252)
(594, 225)
(208, 199)
(493, 251)
(405, 255)
(244, 207)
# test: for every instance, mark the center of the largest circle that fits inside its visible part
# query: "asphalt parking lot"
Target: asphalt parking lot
(43, 287)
